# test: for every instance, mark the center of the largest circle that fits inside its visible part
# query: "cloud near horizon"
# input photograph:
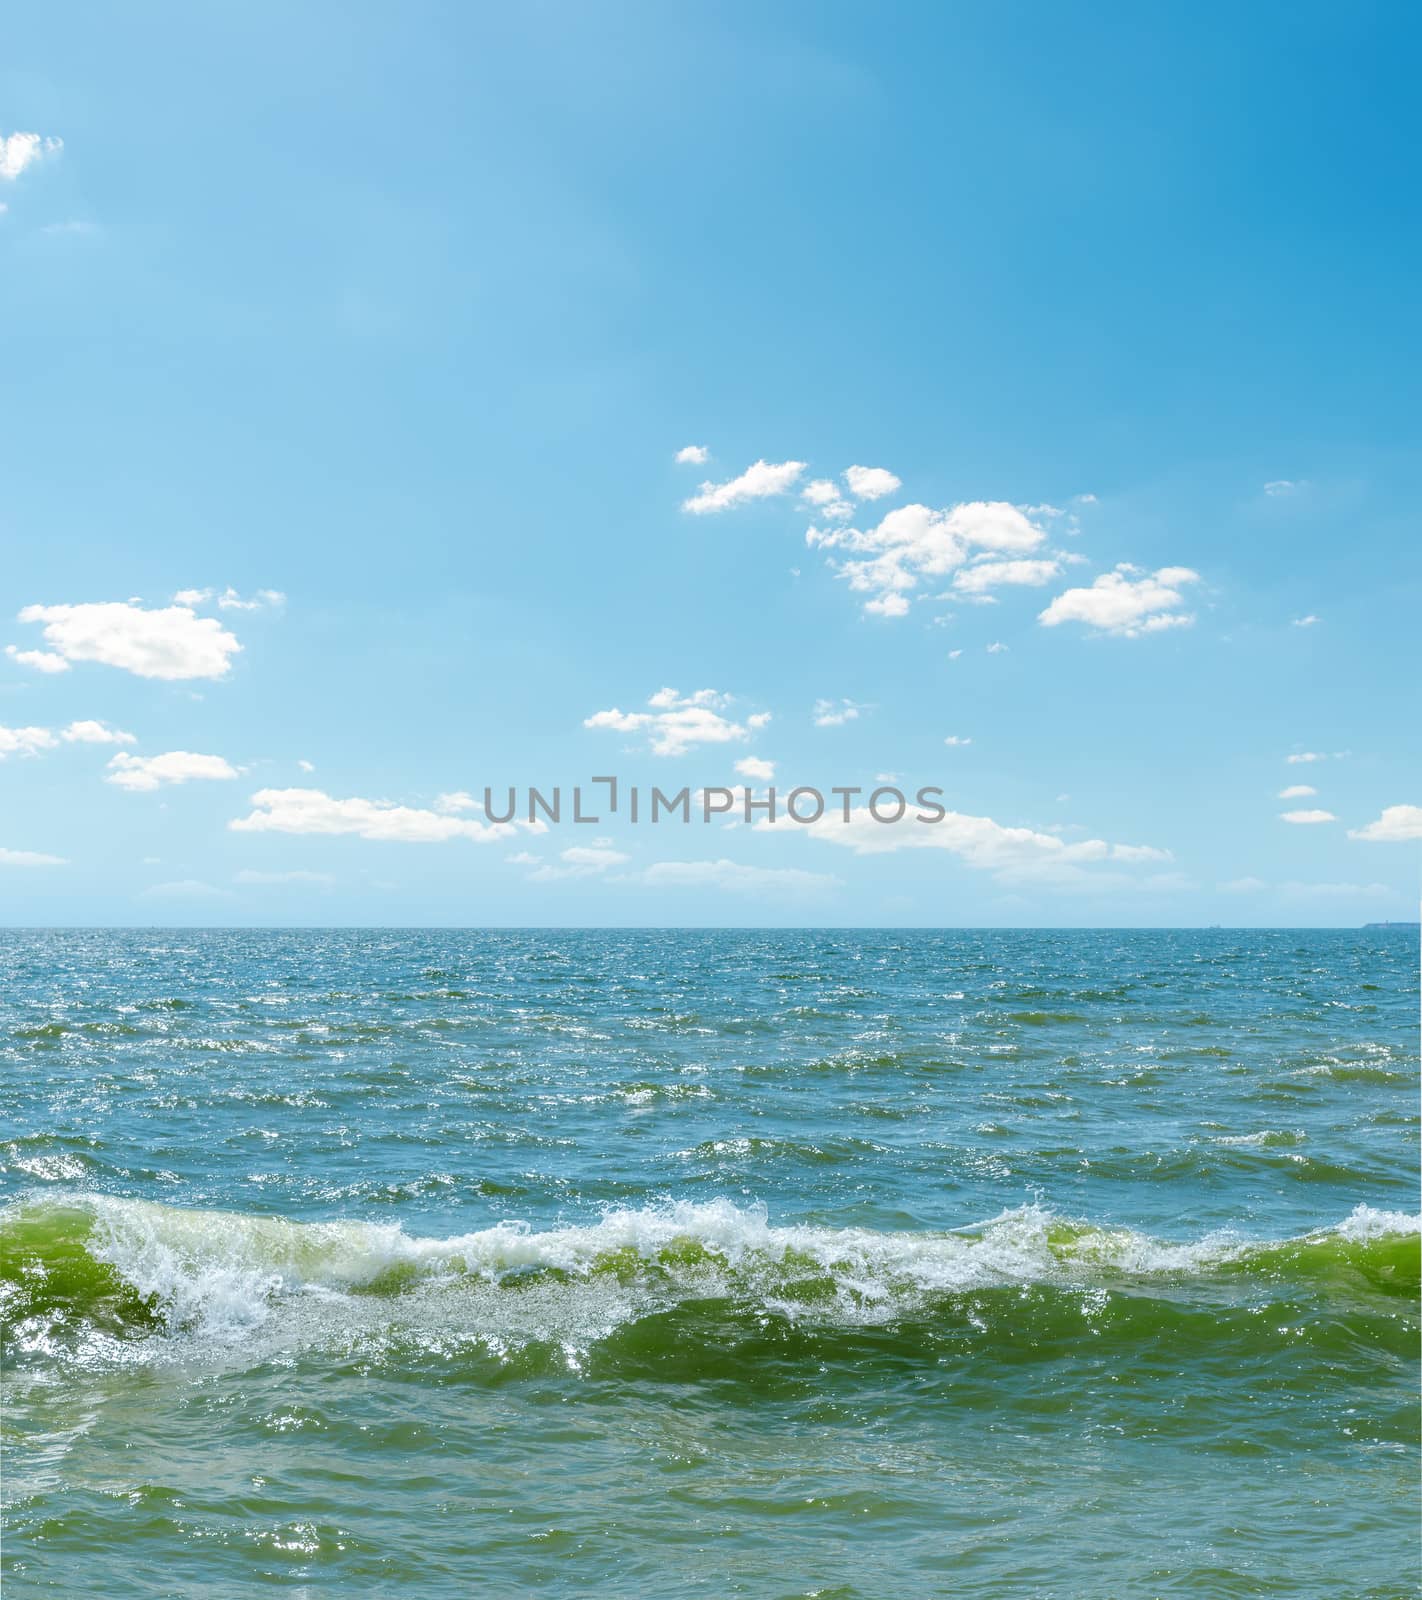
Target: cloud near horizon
(1013, 854)
(314, 811)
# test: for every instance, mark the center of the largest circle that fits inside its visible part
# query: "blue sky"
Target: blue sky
(375, 333)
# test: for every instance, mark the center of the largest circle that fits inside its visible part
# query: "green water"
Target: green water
(791, 1264)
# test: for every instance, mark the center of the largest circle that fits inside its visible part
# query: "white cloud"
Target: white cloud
(835, 713)
(25, 741)
(184, 889)
(915, 542)
(1013, 854)
(523, 858)
(755, 483)
(675, 722)
(693, 455)
(172, 642)
(985, 575)
(1297, 791)
(1282, 486)
(1126, 606)
(175, 766)
(954, 654)
(1306, 622)
(39, 660)
(825, 496)
(1396, 825)
(736, 877)
(1243, 886)
(1306, 817)
(458, 800)
(758, 719)
(313, 811)
(997, 648)
(95, 733)
(230, 600)
(29, 858)
(322, 880)
(1304, 757)
(754, 767)
(953, 739)
(871, 483)
(580, 861)
(20, 150)
(306, 766)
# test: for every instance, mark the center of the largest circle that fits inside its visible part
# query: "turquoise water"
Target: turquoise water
(981, 1264)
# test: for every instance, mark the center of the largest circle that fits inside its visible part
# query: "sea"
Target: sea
(848, 1264)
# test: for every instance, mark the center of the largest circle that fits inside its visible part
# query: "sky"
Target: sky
(1011, 399)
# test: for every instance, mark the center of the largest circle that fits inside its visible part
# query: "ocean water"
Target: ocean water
(838, 1264)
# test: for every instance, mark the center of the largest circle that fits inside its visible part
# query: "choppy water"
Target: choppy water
(850, 1264)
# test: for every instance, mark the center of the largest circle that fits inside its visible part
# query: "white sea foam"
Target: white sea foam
(224, 1272)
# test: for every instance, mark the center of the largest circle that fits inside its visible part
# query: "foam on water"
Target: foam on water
(223, 1274)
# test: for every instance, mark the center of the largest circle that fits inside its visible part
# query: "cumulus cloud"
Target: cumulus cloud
(1127, 606)
(693, 455)
(997, 648)
(314, 811)
(171, 642)
(757, 482)
(824, 495)
(753, 767)
(29, 858)
(580, 861)
(1396, 825)
(871, 483)
(1303, 758)
(37, 660)
(736, 877)
(174, 766)
(914, 542)
(984, 575)
(21, 150)
(95, 733)
(229, 600)
(835, 713)
(25, 741)
(1012, 854)
(675, 722)
(954, 739)
(1305, 818)
(1306, 622)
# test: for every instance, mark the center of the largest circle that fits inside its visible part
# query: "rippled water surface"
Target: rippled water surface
(851, 1264)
